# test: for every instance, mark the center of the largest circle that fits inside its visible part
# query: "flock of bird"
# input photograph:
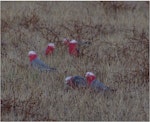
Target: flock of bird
(74, 82)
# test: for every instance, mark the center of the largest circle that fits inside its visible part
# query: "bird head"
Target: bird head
(66, 41)
(90, 77)
(69, 82)
(50, 48)
(68, 79)
(73, 47)
(32, 55)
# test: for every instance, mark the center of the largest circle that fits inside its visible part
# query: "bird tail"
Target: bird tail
(52, 69)
(111, 90)
(48, 69)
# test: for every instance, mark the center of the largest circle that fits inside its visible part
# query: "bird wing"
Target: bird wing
(79, 81)
(99, 85)
(41, 65)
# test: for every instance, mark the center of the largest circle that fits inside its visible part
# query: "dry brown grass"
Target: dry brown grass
(119, 33)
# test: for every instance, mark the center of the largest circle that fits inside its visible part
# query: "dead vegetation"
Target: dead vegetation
(117, 52)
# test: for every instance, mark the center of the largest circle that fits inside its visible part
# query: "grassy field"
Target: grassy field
(118, 55)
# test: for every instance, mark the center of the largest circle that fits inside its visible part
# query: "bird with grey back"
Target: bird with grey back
(37, 63)
(95, 84)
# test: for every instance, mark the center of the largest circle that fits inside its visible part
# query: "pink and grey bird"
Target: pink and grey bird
(75, 82)
(50, 49)
(66, 41)
(37, 63)
(77, 48)
(95, 84)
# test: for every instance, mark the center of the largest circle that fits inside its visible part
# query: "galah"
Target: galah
(37, 63)
(77, 48)
(50, 49)
(95, 84)
(66, 41)
(73, 48)
(75, 82)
